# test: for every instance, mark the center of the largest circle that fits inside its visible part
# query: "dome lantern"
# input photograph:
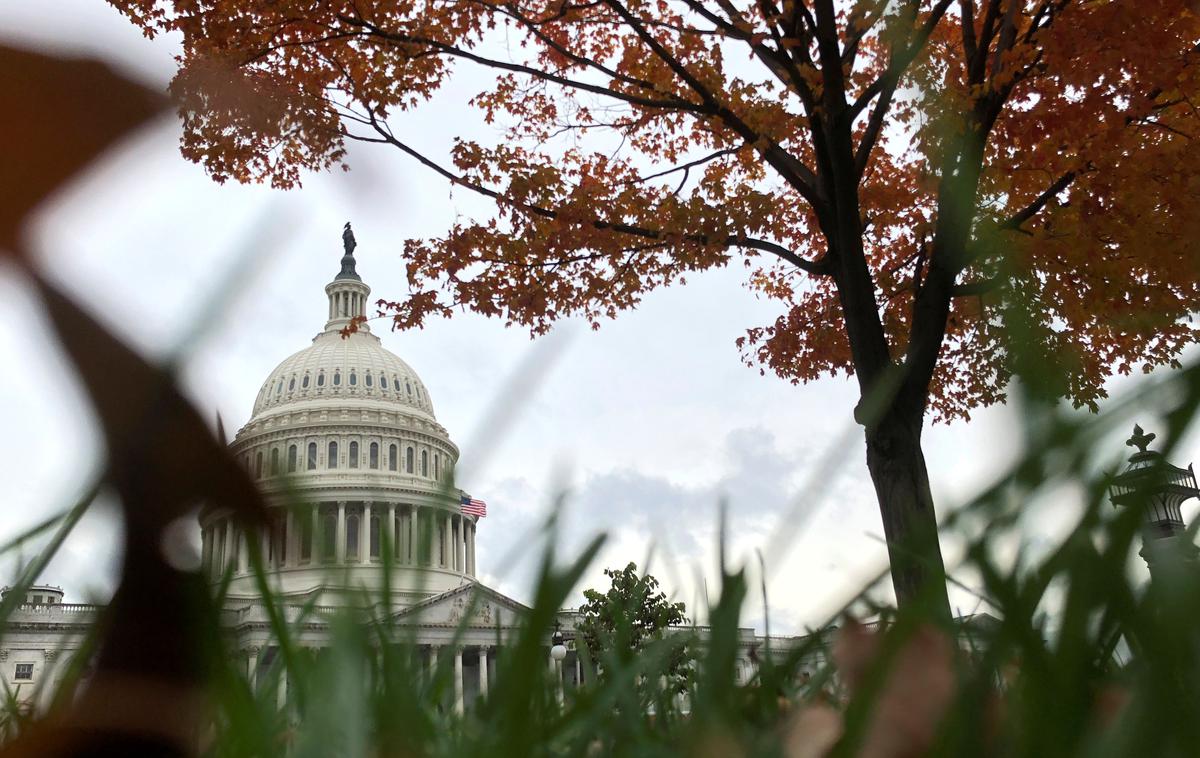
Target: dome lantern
(347, 292)
(1157, 488)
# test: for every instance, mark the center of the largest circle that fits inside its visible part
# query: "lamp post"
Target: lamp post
(1158, 488)
(558, 652)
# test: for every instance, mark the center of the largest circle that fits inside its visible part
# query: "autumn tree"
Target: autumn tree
(899, 176)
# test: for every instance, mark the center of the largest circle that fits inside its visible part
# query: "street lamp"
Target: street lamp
(558, 647)
(1158, 489)
(558, 652)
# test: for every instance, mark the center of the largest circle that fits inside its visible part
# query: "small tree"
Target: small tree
(631, 614)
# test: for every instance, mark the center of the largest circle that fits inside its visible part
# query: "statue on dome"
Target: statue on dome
(348, 239)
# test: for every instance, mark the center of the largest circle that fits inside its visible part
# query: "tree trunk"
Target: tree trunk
(897, 466)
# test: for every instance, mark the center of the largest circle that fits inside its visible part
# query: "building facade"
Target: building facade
(358, 475)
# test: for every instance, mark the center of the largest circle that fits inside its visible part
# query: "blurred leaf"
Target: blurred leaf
(59, 114)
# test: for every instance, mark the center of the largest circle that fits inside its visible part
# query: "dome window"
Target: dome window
(353, 452)
(368, 379)
(279, 389)
(418, 392)
(408, 460)
(383, 381)
(437, 466)
(291, 459)
(331, 461)
(274, 461)
(408, 387)
(374, 455)
(292, 384)
(304, 382)
(391, 457)
(424, 463)
(258, 465)
(321, 379)
(312, 456)
(337, 378)
(353, 378)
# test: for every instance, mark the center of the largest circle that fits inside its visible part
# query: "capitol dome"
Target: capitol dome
(339, 369)
(344, 443)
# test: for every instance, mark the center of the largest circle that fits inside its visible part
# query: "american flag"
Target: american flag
(472, 507)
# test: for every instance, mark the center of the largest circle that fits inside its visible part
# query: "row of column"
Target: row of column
(434, 657)
(347, 304)
(287, 544)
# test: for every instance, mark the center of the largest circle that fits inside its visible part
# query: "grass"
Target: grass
(1085, 657)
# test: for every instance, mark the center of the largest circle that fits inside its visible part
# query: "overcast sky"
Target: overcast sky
(647, 423)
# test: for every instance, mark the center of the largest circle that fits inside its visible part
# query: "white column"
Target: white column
(392, 535)
(483, 671)
(281, 694)
(471, 547)
(243, 553)
(252, 666)
(460, 545)
(230, 541)
(447, 541)
(433, 660)
(339, 547)
(414, 532)
(364, 533)
(314, 553)
(458, 681)
(289, 540)
(578, 668)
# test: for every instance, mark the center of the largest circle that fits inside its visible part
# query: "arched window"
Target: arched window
(312, 456)
(304, 382)
(353, 378)
(337, 378)
(418, 392)
(291, 458)
(424, 463)
(292, 384)
(352, 535)
(408, 386)
(331, 461)
(383, 381)
(391, 457)
(353, 455)
(408, 460)
(368, 378)
(396, 383)
(374, 534)
(321, 379)
(437, 466)
(328, 536)
(258, 469)
(279, 389)
(274, 461)
(374, 455)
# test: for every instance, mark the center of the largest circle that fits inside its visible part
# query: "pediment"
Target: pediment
(483, 606)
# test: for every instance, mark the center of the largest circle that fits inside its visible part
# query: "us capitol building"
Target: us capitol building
(348, 429)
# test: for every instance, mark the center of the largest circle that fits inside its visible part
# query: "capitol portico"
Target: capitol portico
(358, 475)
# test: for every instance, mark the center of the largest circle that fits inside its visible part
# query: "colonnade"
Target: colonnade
(349, 532)
(480, 679)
